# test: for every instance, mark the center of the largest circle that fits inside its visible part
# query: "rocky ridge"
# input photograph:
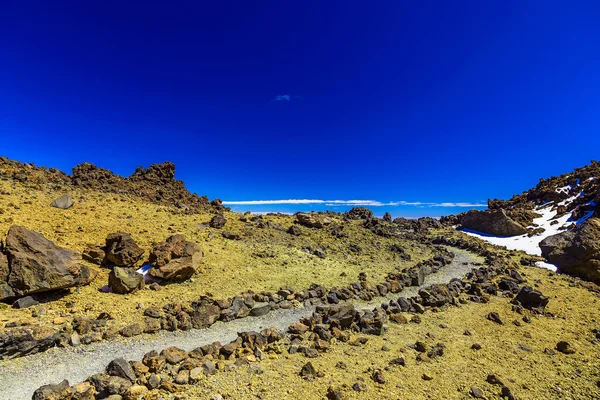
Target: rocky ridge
(155, 184)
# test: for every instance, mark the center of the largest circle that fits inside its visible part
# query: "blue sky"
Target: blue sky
(435, 103)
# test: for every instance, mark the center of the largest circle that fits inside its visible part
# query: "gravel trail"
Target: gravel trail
(20, 377)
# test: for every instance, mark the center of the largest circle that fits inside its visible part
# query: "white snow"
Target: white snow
(564, 189)
(543, 264)
(530, 245)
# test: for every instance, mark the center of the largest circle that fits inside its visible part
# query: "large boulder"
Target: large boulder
(493, 222)
(35, 264)
(313, 220)
(125, 280)
(175, 259)
(576, 252)
(121, 250)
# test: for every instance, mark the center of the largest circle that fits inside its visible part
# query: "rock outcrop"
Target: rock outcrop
(576, 252)
(493, 222)
(175, 259)
(313, 220)
(30, 263)
(156, 184)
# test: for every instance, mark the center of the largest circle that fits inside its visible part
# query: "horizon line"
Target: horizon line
(366, 203)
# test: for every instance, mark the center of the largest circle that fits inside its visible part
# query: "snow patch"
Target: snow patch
(545, 265)
(564, 189)
(548, 220)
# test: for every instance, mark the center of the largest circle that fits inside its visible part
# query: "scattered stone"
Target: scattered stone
(174, 355)
(333, 394)
(308, 371)
(400, 360)
(260, 310)
(175, 259)
(494, 317)
(507, 393)
(231, 235)
(294, 230)
(476, 346)
(218, 221)
(476, 392)
(426, 377)
(83, 391)
(531, 299)
(93, 254)
(64, 202)
(25, 302)
(548, 351)
(121, 250)
(298, 328)
(61, 391)
(494, 380)
(565, 347)
(378, 377)
(75, 339)
(120, 367)
(398, 318)
(131, 330)
(135, 392)
(125, 280)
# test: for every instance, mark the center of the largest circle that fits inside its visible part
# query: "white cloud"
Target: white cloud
(354, 203)
(282, 97)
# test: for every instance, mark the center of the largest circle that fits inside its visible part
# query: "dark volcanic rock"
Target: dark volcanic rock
(156, 184)
(218, 221)
(494, 222)
(125, 280)
(93, 254)
(175, 259)
(532, 299)
(25, 302)
(359, 213)
(122, 250)
(294, 230)
(576, 252)
(231, 235)
(35, 264)
(120, 367)
(63, 202)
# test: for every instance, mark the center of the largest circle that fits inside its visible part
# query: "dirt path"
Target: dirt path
(20, 377)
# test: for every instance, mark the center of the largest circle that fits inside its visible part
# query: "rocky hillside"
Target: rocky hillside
(95, 268)
(156, 184)
(558, 219)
